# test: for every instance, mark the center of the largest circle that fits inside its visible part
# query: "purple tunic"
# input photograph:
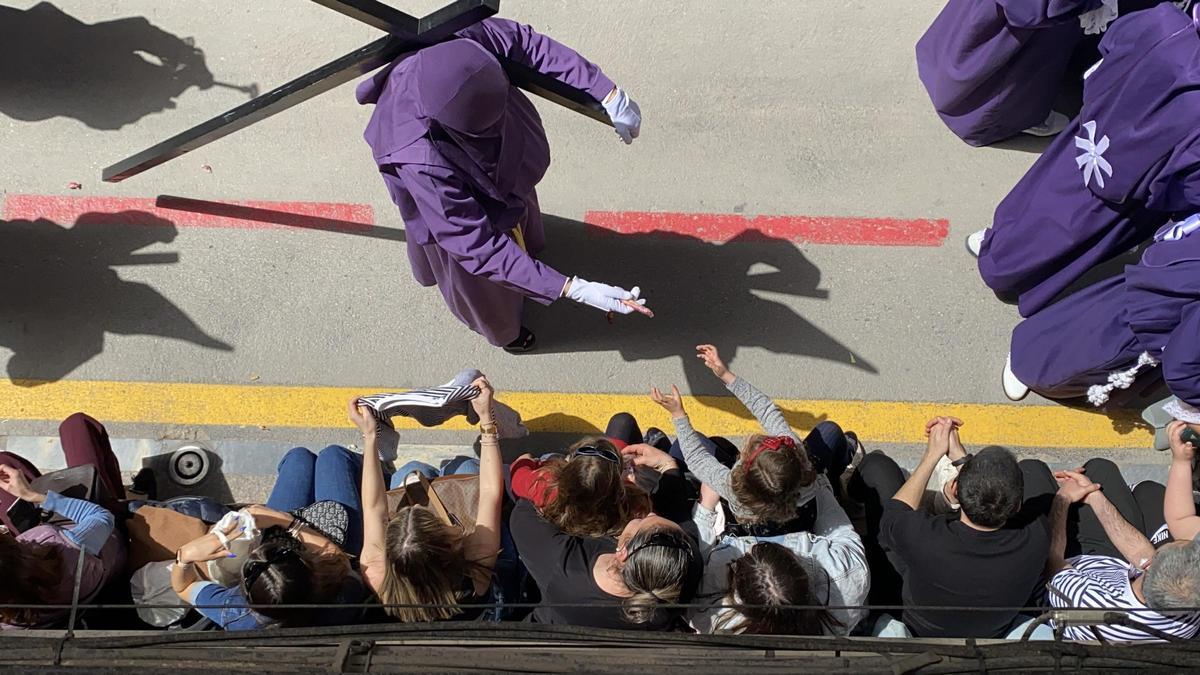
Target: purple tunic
(993, 67)
(1116, 174)
(1154, 307)
(461, 151)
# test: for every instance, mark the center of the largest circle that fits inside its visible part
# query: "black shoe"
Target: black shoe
(145, 483)
(524, 342)
(655, 436)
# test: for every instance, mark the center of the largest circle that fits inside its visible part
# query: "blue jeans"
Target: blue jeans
(460, 465)
(332, 475)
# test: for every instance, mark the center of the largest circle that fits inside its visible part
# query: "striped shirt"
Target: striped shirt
(1103, 582)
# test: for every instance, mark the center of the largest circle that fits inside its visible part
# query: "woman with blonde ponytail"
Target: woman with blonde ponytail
(419, 567)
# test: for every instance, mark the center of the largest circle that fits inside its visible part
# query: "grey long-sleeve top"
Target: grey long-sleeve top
(833, 555)
(705, 466)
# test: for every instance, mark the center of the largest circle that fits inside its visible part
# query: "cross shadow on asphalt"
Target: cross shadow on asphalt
(105, 75)
(700, 292)
(59, 293)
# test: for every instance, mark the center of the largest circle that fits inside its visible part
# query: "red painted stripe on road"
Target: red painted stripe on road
(184, 212)
(721, 227)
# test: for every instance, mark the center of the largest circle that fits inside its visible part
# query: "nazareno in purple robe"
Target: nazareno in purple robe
(1090, 343)
(1129, 161)
(993, 68)
(461, 151)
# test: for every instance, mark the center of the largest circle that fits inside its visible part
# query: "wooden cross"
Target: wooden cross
(405, 33)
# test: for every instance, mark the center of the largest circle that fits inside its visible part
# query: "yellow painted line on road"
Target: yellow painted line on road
(187, 404)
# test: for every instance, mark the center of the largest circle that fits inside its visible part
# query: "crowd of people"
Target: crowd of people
(795, 534)
(791, 533)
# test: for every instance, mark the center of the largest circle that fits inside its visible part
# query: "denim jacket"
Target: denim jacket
(833, 554)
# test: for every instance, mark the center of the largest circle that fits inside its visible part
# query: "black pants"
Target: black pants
(624, 427)
(1143, 507)
(876, 481)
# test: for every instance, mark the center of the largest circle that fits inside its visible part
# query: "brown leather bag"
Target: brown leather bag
(155, 534)
(455, 499)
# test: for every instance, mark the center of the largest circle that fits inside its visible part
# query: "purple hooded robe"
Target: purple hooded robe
(994, 67)
(1130, 160)
(461, 151)
(1152, 309)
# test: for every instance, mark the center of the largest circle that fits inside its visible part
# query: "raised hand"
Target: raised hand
(483, 402)
(673, 402)
(711, 358)
(363, 418)
(938, 431)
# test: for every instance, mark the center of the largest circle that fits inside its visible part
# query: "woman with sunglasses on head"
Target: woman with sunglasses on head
(589, 492)
(414, 557)
(602, 483)
(310, 529)
(622, 582)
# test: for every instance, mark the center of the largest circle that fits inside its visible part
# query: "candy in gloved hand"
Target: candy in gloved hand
(607, 298)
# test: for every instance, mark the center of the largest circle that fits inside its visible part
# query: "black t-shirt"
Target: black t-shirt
(946, 563)
(562, 567)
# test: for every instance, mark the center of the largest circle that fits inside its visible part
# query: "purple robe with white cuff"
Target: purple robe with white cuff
(1143, 322)
(993, 68)
(464, 176)
(1111, 179)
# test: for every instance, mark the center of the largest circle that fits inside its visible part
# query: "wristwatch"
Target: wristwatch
(489, 428)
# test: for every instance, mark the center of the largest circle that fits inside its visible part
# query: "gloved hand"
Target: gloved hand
(626, 116)
(604, 297)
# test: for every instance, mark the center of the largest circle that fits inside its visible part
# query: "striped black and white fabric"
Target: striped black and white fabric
(1103, 582)
(429, 407)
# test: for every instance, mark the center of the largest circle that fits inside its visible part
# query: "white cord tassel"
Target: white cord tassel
(1096, 21)
(1122, 379)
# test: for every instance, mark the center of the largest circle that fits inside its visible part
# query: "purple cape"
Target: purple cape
(1154, 307)
(461, 151)
(1116, 174)
(993, 67)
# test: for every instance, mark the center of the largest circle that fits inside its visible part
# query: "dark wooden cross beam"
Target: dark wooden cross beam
(406, 33)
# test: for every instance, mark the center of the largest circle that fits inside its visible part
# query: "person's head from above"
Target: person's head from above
(593, 495)
(767, 585)
(769, 476)
(1172, 581)
(462, 87)
(659, 564)
(426, 565)
(281, 571)
(989, 488)
(32, 573)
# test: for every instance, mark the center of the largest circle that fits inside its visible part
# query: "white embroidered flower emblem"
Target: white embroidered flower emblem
(1092, 160)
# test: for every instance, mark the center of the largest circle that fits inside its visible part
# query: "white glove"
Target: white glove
(602, 296)
(626, 116)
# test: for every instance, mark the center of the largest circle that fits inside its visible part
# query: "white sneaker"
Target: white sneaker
(1014, 389)
(975, 242)
(1054, 124)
